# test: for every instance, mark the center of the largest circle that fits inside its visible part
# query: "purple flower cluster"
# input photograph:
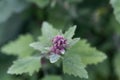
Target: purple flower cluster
(59, 45)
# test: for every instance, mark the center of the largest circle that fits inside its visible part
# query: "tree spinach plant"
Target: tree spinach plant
(52, 47)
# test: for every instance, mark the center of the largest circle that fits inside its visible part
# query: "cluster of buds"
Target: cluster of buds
(59, 45)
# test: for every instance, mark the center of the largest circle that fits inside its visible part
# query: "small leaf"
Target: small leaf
(52, 77)
(19, 47)
(27, 65)
(70, 33)
(54, 57)
(89, 55)
(72, 65)
(48, 31)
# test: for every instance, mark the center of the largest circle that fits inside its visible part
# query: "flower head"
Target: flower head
(59, 45)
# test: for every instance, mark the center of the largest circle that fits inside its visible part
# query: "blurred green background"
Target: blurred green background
(95, 20)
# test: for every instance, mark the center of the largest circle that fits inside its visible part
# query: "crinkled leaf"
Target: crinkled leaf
(88, 54)
(26, 65)
(48, 31)
(116, 6)
(40, 3)
(73, 65)
(70, 33)
(52, 77)
(19, 47)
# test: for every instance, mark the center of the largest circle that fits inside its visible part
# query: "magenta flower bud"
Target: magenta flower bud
(59, 45)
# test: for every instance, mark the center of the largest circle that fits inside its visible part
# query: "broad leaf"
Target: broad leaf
(27, 65)
(19, 47)
(73, 65)
(89, 55)
(52, 77)
(116, 6)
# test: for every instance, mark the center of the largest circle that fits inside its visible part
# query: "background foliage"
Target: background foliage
(98, 21)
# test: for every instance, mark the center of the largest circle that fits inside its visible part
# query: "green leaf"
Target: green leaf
(89, 55)
(19, 47)
(44, 41)
(54, 58)
(40, 3)
(52, 77)
(116, 6)
(117, 64)
(26, 65)
(72, 65)
(73, 41)
(48, 31)
(70, 33)
(40, 47)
